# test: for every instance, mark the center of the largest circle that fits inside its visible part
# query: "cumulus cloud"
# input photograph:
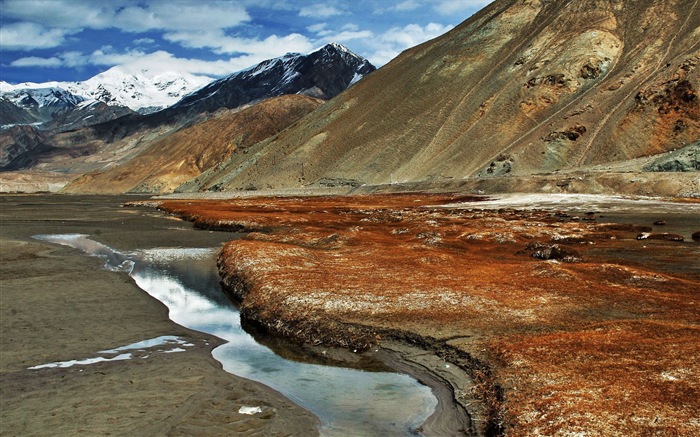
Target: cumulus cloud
(463, 7)
(128, 15)
(317, 28)
(34, 61)
(408, 5)
(261, 49)
(397, 39)
(223, 27)
(144, 41)
(135, 60)
(30, 36)
(319, 10)
(181, 15)
(75, 59)
(347, 32)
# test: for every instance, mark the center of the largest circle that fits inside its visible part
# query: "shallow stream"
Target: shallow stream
(347, 401)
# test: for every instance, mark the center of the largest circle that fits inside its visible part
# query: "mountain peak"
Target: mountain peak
(323, 73)
(335, 46)
(136, 88)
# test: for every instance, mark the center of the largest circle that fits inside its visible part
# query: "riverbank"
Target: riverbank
(57, 304)
(559, 321)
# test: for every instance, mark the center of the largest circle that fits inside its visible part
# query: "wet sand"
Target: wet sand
(57, 304)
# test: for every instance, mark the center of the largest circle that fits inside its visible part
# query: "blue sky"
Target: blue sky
(72, 40)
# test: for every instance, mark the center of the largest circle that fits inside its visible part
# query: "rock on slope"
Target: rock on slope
(172, 160)
(522, 87)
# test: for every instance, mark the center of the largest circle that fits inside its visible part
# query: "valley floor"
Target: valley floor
(56, 304)
(566, 325)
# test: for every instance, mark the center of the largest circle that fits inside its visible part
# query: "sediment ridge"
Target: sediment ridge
(557, 330)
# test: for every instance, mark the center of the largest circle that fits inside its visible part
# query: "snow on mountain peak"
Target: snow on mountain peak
(136, 88)
(139, 88)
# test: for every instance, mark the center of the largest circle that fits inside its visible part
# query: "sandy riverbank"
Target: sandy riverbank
(56, 304)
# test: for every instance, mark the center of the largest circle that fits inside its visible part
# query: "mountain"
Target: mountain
(19, 145)
(523, 88)
(173, 159)
(140, 89)
(36, 105)
(323, 73)
(54, 108)
(130, 146)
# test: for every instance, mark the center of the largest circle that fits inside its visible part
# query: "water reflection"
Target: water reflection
(347, 401)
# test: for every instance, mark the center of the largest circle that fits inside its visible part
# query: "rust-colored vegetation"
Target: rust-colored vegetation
(577, 344)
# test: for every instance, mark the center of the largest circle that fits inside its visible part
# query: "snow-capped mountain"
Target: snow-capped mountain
(323, 73)
(141, 90)
(54, 108)
(41, 97)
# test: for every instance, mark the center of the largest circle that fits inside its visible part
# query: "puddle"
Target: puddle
(145, 348)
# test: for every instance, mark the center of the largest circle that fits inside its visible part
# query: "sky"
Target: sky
(73, 40)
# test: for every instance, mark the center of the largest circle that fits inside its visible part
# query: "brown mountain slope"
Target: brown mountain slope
(182, 155)
(523, 87)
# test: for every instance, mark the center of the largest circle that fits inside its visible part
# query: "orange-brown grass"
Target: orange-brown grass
(592, 347)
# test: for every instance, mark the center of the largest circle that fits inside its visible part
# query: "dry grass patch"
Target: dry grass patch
(592, 347)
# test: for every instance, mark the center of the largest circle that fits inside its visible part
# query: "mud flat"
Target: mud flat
(57, 304)
(558, 320)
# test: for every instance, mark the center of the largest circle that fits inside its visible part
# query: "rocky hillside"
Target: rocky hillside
(104, 150)
(523, 87)
(173, 159)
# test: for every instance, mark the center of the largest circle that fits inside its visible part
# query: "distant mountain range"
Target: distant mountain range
(107, 96)
(523, 96)
(140, 90)
(52, 129)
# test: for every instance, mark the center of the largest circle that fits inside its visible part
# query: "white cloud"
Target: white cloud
(181, 15)
(395, 40)
(128, 15)
(160, 61)
(30, 36)
(64, 14)
(33, 61)
(258, 49)
(75, 59)
(144, 41)
(349, 36)
(408, 5)
(463, 7)
(319, 11)
(317, 28)
(413, 34)
(348, 32)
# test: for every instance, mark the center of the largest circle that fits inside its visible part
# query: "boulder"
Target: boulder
(548, 251)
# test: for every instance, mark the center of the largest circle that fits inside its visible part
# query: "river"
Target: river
(347, 401)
